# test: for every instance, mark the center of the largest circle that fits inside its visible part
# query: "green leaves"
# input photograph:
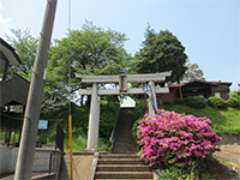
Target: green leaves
(161, 52)
(26, 47)
(90, 50)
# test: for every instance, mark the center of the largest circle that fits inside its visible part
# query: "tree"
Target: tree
(90, 50)
(26, 47)
(193, 72)
(161, 52)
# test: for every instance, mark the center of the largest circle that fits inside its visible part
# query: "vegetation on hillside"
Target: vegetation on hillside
(225, 119)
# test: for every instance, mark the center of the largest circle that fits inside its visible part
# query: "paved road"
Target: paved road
(231, 155)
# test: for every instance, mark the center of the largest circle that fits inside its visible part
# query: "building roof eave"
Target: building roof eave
(9, 52)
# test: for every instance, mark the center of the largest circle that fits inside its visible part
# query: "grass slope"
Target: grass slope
(223, 121)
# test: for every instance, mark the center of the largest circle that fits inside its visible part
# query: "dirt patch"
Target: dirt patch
(230, 156)
(215, 170)
(230, 139)
(224, 165)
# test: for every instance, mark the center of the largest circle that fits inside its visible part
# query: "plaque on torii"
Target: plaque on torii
(121, 89)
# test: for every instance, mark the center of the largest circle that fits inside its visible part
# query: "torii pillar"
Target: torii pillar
(94, 118)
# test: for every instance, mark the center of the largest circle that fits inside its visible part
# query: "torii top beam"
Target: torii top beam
(123, 81)
(141, 78)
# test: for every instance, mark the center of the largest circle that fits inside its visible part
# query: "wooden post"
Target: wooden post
(23, 170)
(94, 118)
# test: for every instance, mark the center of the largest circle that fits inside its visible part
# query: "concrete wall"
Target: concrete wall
(8, 159)
(82, 166)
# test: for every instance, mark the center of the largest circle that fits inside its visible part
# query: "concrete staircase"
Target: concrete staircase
(124, 141)
(121, 166)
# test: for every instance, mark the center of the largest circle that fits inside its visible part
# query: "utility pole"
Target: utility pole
(26, 151)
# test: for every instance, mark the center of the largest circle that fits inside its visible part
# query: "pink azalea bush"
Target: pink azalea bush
(170, 137)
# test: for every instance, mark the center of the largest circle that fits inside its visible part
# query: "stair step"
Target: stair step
(122, 179)
(123, 167)
(120, 161)
(123, 175)
(113, 156)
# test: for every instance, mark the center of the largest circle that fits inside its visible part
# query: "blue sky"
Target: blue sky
(209, 29)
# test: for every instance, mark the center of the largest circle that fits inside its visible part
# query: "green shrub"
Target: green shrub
(79, 143)
(138, 113)
(197, 102)
(233, 102)
(235, 94)
(217, 102)
(177, 172)
(179, 101)
(104, 145)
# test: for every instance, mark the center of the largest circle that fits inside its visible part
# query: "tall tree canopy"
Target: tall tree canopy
(161, 52)
(90, 50)
(26, 47)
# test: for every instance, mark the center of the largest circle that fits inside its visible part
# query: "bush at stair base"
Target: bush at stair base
(168, 138)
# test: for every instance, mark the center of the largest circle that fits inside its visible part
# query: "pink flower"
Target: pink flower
(170, 137)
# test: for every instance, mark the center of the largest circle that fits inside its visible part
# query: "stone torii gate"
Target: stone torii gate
(121, 89)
